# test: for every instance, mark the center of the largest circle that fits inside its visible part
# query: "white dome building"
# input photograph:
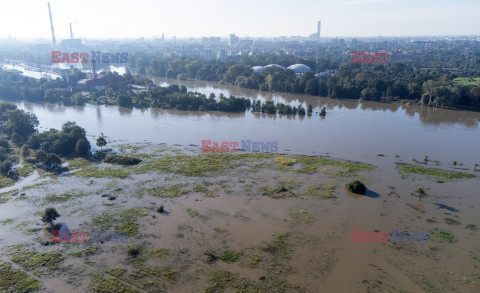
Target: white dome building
(274, 65)
(258, 69)
(299, 68)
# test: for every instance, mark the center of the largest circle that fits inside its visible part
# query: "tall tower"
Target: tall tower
(319, 25)
(51, 26)
(71, 32)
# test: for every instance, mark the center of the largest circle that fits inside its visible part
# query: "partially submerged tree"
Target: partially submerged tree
(101, 141)
(49, 216)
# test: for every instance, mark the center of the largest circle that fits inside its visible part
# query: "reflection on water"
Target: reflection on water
(351, 130)
(427, 115)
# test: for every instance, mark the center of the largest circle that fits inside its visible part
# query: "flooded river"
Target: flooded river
(351, 130)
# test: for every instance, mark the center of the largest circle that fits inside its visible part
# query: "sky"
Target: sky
(105, 19)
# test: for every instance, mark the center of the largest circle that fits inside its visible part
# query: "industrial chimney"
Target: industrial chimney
(51, 26)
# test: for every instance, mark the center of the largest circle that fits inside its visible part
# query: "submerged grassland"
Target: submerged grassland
(193, 222)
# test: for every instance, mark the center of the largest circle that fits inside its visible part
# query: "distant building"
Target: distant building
(233, 40)
(299, 68)
(222, 55)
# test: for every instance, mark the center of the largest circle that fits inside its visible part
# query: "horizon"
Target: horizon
(187, 19)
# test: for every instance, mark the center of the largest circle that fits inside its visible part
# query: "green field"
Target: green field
(466, 81)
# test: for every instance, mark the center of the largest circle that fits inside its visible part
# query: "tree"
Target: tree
(16, 139)
(312, 88)
(25, 151)
(323, 112)
(41, 156)
(83, 147)
(125, 100)
(109, 92)
(101, 141)
(49, 216)
(309, 110)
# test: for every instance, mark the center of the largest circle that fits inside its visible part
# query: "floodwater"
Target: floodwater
(324, 258)
(350, 130)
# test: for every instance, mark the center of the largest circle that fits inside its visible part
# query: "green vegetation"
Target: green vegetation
(160, 209)
(194, 213)
(229, 256)
(254, 260)
(302, 216)
(280, 245)
(121, 160)
(49, 216)
(167, 191)
(25, 170)
(420, 191)
(101, 173)
(133, 251)
(13, 280)
(320, 190)
(170, 276)
(444, 234)
(53, 198)
(356, 187)
(221, 279)
(200, 188)
(110, 285)
(116, 272)
(433, 172)
(34, 260)
(197, 166)
(282, 189)
(162, 253)
(122, 221)
(78, 163)
(466, 81)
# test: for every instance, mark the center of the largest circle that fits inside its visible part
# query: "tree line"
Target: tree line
(390, 81)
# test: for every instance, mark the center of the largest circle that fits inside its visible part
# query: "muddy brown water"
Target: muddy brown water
(323, 258)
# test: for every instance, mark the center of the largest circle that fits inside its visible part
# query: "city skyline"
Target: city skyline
(146, 18)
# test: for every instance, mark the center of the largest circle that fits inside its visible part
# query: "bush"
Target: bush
(356, 187)
(323, 112)
(25, 151)
(160, 209)
(121, 160)
(82, 147)
(132, 251)
(41, 156)
(420, 190)
(52, 161)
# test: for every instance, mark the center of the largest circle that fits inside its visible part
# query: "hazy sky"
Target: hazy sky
(195, 18)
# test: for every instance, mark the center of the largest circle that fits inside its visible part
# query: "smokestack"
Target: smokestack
(71, 32)
(51, 26)
(318, 30)
(318, 45)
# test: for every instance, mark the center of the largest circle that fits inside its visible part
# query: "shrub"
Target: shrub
(323, 112)
(132, 251)
(25, 151)
(420, 190)
(41, 156)
(356, 187)
(121, 160)
(160, 209)
(52, 161)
